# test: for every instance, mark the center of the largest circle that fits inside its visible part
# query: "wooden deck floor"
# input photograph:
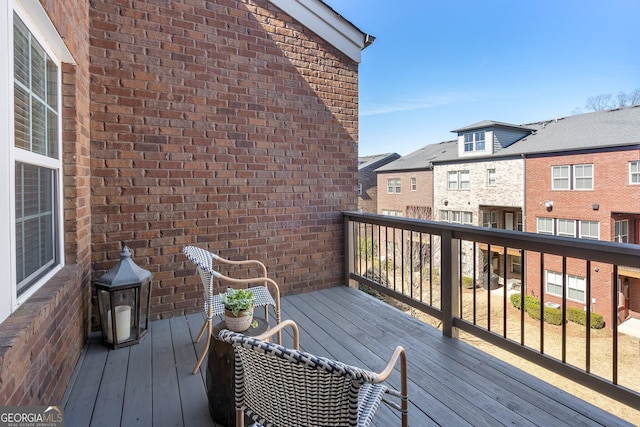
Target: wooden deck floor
(451, 383)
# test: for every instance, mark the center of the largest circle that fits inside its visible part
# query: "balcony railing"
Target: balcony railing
(465, 277)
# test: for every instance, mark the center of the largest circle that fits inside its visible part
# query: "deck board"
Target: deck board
(450, 382)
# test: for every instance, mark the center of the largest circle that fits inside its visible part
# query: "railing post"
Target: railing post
(349, 252)
(450, 282)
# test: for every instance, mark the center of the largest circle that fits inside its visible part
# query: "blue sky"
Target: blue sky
(439, 65)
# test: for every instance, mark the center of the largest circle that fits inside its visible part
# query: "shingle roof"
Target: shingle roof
(367, 161)
(600, 129)
(423, 158)
(491, 123)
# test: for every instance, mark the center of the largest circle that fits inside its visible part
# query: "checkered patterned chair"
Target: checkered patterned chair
(267, 294)
(277, 386)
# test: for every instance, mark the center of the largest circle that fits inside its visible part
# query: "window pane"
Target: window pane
(21, 118)
(35, 95)
(35, 246)
(52, 87)
(20, 52)
(584, 177)
(560, 176)
(453, 180)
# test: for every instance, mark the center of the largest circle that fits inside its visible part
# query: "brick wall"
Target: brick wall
(41, 341)
(612, 192)
(422, 196)
(223, 124)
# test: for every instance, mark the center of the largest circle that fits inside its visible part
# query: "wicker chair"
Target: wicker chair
(285, 387)
(267, 294)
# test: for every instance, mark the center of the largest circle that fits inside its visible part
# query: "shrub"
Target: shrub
(516, 300)
(467, 282)
(552, 316)
(580, 316)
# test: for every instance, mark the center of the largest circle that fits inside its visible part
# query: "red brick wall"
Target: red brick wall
(224, 124)
(41, 341)
(611, 192)
(422, 196)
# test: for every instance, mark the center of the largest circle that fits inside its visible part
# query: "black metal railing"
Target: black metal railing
(531, 294)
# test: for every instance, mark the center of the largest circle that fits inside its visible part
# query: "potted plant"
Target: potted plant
(238, 309)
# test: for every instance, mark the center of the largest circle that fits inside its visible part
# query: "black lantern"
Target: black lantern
(124, 294)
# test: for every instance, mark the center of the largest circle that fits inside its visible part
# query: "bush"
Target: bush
(580, 316)
(553, 316)
(516, 300)
(467, 282)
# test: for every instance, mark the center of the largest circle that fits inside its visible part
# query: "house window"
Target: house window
(391, 212)
(583, 177)
(458, 180)
(545, 226)
(468, 142)
(560, 177)
(590, 230)
(393, 186)
(457, 217)
(479, 139)
(516, 264)
(490, 219)
(491, 177)
(572, 177)
(519, 221)
(31, 154)
(414, 184)
(36, 112)
(622, 231)
(576, 286)
(474, 141)
(566, 227)
(634, 172)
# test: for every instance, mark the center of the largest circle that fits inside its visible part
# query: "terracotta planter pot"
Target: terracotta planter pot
(238, 323)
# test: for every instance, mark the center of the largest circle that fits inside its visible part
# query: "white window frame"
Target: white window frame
(566, 227)
(634, 172)
(394, 186)
(581, 178)
(474, 141)
(621, 231)
(542, 224)
(414, 184)
(576, 285)
(39, 25)
(458, 180)
(558, 176)
(587, 232)
(491, 177)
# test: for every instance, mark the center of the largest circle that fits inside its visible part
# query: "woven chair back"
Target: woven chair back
(288, 388)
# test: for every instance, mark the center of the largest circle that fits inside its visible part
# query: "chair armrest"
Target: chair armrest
(243, 262)
(279, 327)
(401, 354)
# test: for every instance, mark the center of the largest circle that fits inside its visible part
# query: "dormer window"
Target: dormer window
(474, 141)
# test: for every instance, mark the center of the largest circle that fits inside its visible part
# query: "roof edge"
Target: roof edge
(328, 24)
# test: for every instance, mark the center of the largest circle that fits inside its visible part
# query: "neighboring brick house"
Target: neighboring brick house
(406, 185)
(583, 180)
(230, 124)
(367, 180)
